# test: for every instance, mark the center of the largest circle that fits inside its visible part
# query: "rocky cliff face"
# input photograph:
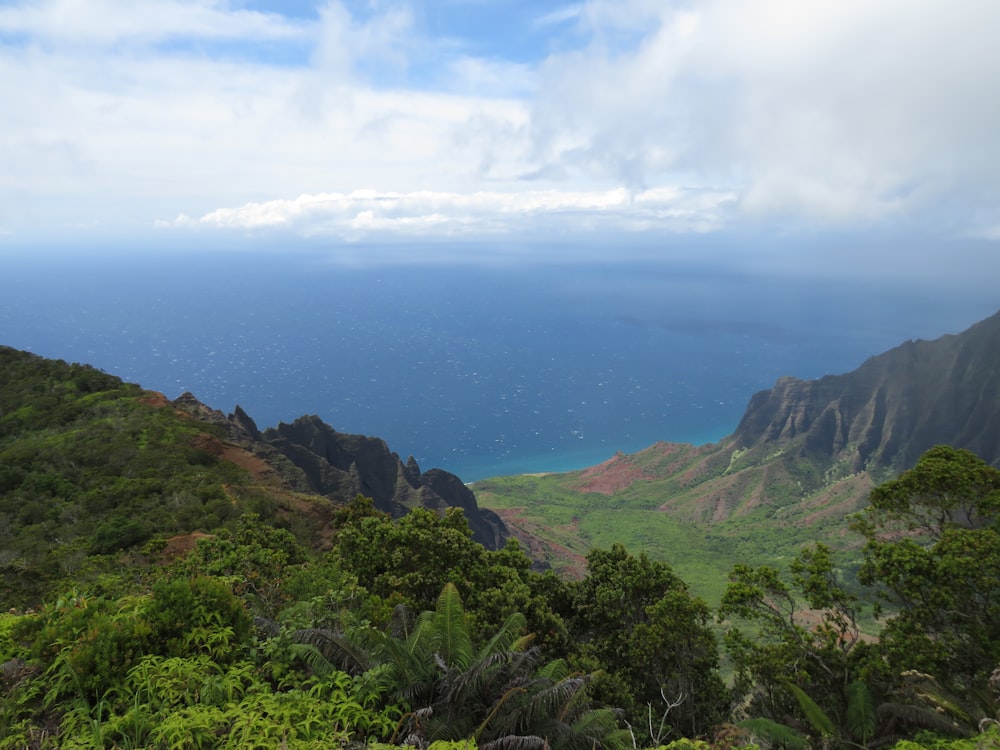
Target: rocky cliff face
(311, 456)
(809, 452)
(890, 410)
(342, 466)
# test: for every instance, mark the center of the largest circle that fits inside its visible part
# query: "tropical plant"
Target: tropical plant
(497, 694)
(932, 551)
(855, 728)
(636, 620)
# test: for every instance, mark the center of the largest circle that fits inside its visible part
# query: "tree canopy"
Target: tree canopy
(269, 634)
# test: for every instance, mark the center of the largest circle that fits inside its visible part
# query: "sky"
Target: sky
(372, 121)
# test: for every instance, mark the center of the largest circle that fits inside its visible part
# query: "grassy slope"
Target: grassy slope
(567, 524)
(699, 509)
(91, 466)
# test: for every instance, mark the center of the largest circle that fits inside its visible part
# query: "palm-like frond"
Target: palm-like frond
(327, 650)
(596, 728)
(447, 727)
(516, 742)
(555, 670)
(499, 712)
(412, 666)
(490, 676)
(916, 716)
(814, 714)
(451, 630)
(497, 693)
(774, 733)
(509, 637)
(419, 641)
(862, 718)
(541, 703)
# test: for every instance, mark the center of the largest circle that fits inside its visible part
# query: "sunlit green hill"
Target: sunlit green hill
(802, 460)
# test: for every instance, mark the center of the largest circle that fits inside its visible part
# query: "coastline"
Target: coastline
(566, 462)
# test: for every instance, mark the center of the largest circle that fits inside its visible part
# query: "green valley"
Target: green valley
(174, 577)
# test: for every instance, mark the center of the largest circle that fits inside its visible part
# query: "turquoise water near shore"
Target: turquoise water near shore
(481, 370)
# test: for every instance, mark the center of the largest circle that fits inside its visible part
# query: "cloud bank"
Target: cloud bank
(392, 118)
(363, 213)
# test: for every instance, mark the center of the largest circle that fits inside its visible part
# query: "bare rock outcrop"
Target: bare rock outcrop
(890, 410)
(341, 466)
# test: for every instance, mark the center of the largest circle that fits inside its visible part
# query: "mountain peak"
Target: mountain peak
(891, 409)
(343, 465)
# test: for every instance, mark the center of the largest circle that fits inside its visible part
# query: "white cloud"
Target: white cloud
(106, 22)
(362, 214)
(386, 40)
(709, 115)
(493, 78)
(129, 138)
(559, 16)
(826, 112)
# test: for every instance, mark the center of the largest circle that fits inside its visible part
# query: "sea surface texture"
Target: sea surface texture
(480, 370)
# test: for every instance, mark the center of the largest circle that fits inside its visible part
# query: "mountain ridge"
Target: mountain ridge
(894, 406)
(93, 468)
(804, 457)
(313, 457)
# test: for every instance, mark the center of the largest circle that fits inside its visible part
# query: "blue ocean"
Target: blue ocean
(480, 369)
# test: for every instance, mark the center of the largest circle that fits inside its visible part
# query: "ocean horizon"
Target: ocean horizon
(478, 369)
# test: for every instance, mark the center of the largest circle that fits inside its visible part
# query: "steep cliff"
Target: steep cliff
(891, 409)
(805, 456)
(341, 466)
(311, 456)
(816, 447)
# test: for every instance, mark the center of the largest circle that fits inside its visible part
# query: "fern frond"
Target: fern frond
(774, 733)
(451, 630)
(814, 714)
(333, 650)
(862, 719)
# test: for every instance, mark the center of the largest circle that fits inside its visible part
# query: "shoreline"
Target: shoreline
(567, 462)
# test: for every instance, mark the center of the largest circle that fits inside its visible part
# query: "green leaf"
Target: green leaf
(862, 718)
(451, 632)
(815, 715)
(775, 733)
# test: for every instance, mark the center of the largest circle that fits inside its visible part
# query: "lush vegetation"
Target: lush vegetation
(661, 509)
(571, 522)
(408, 632)
(91, 466)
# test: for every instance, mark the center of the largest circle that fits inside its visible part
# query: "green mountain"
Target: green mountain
(143, 606)
(804, 457)
(91, 466)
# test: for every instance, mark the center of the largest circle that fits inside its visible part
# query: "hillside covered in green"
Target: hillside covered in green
(91, 466)
(166, 584)
(652, 502)
(801, 462)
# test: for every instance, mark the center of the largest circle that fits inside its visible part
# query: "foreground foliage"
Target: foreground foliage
(409, 632)
(932, 553)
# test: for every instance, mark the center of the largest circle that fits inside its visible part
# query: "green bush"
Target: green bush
(10, 647)
(197, 615)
